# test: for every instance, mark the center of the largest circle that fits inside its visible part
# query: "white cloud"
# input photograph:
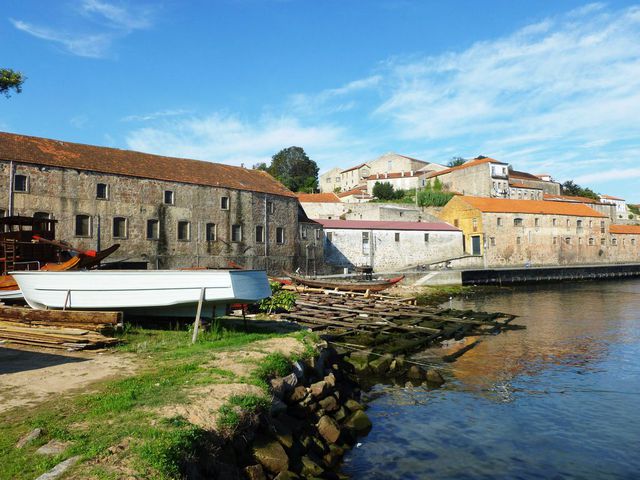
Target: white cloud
(228, 139)
(155, 115)
(115, 22)
(612, 175)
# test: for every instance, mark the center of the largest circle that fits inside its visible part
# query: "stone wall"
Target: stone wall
(310, 249)
(66, 193)
(390, 250)
(366, 211)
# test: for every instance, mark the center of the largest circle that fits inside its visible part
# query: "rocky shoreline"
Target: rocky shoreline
(316, 416)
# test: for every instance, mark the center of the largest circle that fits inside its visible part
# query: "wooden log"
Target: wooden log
(77, 316)
(452, 357)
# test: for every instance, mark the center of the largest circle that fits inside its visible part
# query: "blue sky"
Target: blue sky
(549, 86)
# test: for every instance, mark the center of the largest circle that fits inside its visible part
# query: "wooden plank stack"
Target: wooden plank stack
(387, 325)
(68, 330)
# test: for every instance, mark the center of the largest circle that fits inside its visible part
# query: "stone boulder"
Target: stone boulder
(359, 422)
(270, 454)
(434, 377)
(328, 429)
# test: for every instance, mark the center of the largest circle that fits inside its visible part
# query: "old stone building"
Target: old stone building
(164, 212)
(389, 246)
(528, 232)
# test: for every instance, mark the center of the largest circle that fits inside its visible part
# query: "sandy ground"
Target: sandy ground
(30, 376)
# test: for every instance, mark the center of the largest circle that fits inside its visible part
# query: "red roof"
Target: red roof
(353, 191)
(524, 176)
(378, 225)
(55, 153)
(471, 163)
(522, 185)
(543, 207)
(355, 168)
(387, 176)
(625, 229)
(317, 198)
(609, 197)
(569, 198)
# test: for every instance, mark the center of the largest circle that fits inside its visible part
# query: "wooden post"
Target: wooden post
(196, 323)
(67, 300)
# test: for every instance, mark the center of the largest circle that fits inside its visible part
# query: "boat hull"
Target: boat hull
(142, 292)
(370, 286)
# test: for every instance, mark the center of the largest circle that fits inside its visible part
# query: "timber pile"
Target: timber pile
(68, 330)
(388, 326)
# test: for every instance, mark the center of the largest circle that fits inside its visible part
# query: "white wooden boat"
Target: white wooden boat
(10, 294)
(143, 292)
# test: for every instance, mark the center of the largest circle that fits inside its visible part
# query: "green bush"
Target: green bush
(432, 198)
(279, 300)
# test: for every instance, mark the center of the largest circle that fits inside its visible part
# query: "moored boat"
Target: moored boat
(143, 292)
(349, 286)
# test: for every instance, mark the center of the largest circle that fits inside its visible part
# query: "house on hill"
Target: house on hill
(164, 212)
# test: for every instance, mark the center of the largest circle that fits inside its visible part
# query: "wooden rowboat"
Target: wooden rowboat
(348, 286)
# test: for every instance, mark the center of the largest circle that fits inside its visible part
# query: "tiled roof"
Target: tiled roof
(318, 198)
(625, 229)
(353, 191)
(470, 163)
(499, 205)
(378, 225)
(391, 175)
(569, 198)
(355, 168)
(55, 153)
(522, 185)
(609, 197)
(523, 176)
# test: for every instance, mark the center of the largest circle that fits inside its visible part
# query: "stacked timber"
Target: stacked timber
(390, 326)
(68, 330)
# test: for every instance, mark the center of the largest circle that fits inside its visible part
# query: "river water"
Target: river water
(558, 400)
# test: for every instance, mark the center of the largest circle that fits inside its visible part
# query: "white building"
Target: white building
(389, 246)
(620, 203)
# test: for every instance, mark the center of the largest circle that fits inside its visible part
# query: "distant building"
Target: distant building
(619, 203)
(388, 246)
(518, 232)
(398, 180)
(355, 195)
(330, 181)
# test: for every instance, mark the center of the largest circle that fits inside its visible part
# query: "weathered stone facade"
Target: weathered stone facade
(192, 226)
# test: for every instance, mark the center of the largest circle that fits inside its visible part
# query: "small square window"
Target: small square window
(517, 222)
(224, 203)
(280, 235)
(41, 215)
(318, 233)
(518, 240)
(184, 231)
(555, 240)
(614, 241)
(211, 232)
(259, 234)
(397, 236)
(270, 207)
(83, 226)
(499, 221)
(303, 232)
(426, 238)
(236, 233)
(493, 241)
(554, 222)
(537, 222)
(602, 241)
(102, 191)
(592, 241)
(20, 183)
(169, 197)
(567, 240)
(153, 229)
(119, 227)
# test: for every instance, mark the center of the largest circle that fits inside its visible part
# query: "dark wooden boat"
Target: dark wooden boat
(347, 286)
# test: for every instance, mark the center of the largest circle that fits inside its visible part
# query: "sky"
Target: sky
(548, 86)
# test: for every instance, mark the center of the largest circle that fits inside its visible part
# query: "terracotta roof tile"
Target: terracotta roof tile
(625, 229)
(382, 225)
(569, 198)
(522, 185)
(499, 205)
(355, 168)
(609, 197)
(523, 176)
(55, 153)
(318, 198)
(470, 163)
(391, 175)
(353, 191)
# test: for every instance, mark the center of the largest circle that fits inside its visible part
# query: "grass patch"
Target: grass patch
(124, 410)
(239, 407)
(438, 295)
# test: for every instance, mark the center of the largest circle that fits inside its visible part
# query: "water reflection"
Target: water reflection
(557, 400)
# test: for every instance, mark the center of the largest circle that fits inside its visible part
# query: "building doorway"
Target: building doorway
(475, 244)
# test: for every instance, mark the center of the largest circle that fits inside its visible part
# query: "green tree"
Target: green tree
(455, 162)
(571, 188)
(261, 166)
(437, 185)
(384, 191)
(294, 169)
(10, 80)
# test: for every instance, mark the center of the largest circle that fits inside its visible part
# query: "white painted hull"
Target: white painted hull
(143, 292)
(10, 295)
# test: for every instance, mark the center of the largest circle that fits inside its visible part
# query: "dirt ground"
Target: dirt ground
(29, 376)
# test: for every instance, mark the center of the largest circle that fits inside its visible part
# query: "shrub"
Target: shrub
(279, 300)
(431, 198)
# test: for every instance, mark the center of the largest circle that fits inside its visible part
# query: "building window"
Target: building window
(614, 241)
(236, 233)
(153, 229)
(592, 241)
(224, 203)
(567, 240)
(318, 233)
(102, 191)
(499, 221)
(554, 222)
(259, 233)
(518, 240)
(517, 222)
(211, 232)
(20, 183)
(184, 231)
(568, 223)
(329, 237)
(579, 224)
(602, 226)
(365, 243)
(83, 226)
(633, 242)
(270, 207)
(169, 197)
(492, 241)
(590, 223)
(456, 223)
(474, 222)
(119, 227)
(280, 235)
(579, 240)
(39, 215)
(555, 240)
(397, 236)
(426, 238)
(602, 241)
(537, 222)
(303, 232)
